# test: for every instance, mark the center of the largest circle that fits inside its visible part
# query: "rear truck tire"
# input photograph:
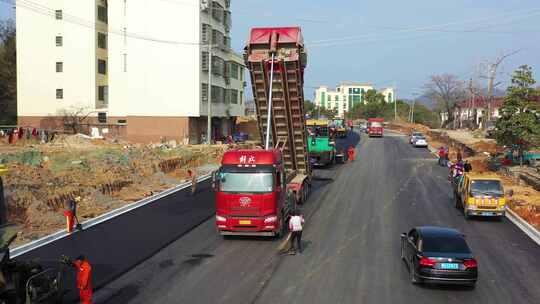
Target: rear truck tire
(457, 202)
(412, 274)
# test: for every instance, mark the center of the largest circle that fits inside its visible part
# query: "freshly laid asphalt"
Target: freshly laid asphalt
(354, 218)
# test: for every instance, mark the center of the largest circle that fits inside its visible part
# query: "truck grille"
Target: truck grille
(486, 201)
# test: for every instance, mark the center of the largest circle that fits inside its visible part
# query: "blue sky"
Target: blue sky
(396, 42)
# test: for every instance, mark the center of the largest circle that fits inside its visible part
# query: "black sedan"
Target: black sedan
(438, 255)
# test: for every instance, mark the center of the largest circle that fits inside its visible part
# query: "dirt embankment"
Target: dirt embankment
(44, 177)
(525, 200)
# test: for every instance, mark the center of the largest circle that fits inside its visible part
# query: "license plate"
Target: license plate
(449, 266)
(487, 213)
(245, 222)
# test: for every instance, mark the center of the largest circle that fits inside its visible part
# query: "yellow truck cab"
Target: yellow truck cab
(480, 195)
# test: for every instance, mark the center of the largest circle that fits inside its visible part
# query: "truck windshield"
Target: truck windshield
(486, 187)
(248, 182)
(318, 131)
(375, 124)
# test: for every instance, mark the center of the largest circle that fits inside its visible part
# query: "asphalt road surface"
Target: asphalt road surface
(354, 218)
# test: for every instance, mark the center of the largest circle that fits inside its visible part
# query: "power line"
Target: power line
(531, 12)
(381, 38)
(46, 11)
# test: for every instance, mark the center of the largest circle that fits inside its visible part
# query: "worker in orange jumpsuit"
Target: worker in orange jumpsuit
(84, 278)
(350, 153)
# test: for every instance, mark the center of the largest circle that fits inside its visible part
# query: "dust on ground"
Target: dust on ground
(106, 175)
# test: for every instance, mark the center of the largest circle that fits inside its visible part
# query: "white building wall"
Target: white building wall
(162, 77)
(37, 54)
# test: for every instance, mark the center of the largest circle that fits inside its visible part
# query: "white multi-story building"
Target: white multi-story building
(346, 95)
(142, 75)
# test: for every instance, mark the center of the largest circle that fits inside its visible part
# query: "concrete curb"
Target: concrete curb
(102, 218)
(522, 224)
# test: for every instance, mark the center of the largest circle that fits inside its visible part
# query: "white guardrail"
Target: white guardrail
(103, 218)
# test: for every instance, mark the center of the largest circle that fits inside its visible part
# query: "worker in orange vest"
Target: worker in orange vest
(350, 153)
(193, 176)
(84, 277)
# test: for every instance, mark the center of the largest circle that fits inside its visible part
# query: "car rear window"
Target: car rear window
(454, 244)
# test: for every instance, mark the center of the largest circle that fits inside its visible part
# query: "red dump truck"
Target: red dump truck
(375, 127)
(257, 189)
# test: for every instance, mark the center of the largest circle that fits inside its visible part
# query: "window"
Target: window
(102, 117)
(246, 182)
(102, 40)
(486, 187)
(350, 90)
(217, 37)
(59, 67)
(218, 94)
(103, 93)
(336, 98)
(102, 14)
(444, 244)
(217, 11)
(233, 96)
(59, 41)
(218, 65)
(205, 33)
(235, 70)
(204, 92)
(389, 97)
(102, 66)
(59, 93)
(58, 14)
(204, 61)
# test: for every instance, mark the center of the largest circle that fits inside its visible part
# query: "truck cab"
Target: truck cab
(375, 127)
(480, 195)
(252, 196)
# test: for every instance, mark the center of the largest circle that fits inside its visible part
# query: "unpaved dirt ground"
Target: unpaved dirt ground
(525, 200)
(44, 177)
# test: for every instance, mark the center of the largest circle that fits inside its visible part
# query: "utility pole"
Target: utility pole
(209, 109)
(395, 103)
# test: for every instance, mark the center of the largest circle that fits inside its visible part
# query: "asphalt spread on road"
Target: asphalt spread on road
(354, 217)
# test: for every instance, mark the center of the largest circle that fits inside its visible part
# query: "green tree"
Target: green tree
(519, 125)
(8, 73)
(309, 108)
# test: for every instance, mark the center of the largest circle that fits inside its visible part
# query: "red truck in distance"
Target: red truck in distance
(375, 127)
(257, 189)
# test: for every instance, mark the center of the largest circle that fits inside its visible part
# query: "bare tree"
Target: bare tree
(446, 90)
(490, 73)
(74, 116)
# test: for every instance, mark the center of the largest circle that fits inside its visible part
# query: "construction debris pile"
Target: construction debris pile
(106, 175)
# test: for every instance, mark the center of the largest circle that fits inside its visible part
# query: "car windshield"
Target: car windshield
(436, 243)
(486, 187)
(417, 134)
(375, 124)
(420, 137)
(249, 182)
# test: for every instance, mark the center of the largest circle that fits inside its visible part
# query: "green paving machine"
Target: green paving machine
(321, 142)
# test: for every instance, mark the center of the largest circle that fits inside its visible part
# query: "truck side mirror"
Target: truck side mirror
(510, 192)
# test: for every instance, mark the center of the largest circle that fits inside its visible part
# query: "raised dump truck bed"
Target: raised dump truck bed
(288, 132)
